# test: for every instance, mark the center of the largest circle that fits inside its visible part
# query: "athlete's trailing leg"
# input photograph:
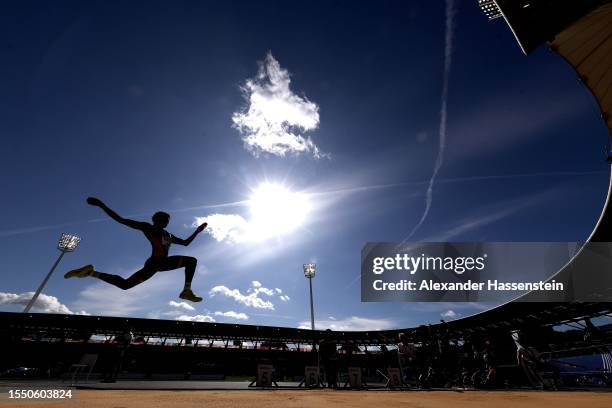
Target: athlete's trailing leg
(135, 279)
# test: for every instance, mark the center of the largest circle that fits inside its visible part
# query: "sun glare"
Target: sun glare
(275, 210)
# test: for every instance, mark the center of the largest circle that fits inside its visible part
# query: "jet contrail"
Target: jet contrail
(448, 50)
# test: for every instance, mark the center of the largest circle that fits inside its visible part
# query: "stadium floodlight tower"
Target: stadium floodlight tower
(309, 272)
(66, 243)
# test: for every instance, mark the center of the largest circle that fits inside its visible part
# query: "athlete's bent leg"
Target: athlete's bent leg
(135, 279)
(190, 268)
(189, 262)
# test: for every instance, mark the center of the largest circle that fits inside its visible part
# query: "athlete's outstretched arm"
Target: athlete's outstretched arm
(125, 221)
(185, 242)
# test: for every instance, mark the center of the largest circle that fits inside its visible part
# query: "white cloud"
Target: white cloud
(44, 303)
(226, 227)
(252, 298)
(353, 323)
(449, 314)
(181, 305)
(233, 315)
(258, 288)
(196, 318)
(275, 117)
(267, 291)
(279, 291)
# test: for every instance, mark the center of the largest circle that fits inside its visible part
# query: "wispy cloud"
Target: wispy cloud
(284, 298)
(275, 118)
(196, 318)
(456, 180)
(511, 120)
(470, 224)
(181, 305)
(257, 287)
(448, 51)
(44, 303)
(104, 299)
(208, 318)
(353, 323)
(491, 214)
(233, 315)
(30, 230)
(250, 299)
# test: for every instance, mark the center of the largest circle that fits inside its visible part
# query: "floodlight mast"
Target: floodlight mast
(309, 272)
(66, 243)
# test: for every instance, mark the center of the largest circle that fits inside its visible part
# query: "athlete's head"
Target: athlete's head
(161, 219)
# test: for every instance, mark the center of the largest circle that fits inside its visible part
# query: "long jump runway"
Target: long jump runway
(322, 398)
(237, 394)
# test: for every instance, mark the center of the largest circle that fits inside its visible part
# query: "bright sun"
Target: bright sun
(275, 210)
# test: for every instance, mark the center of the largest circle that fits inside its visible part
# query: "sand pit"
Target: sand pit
(327, 398)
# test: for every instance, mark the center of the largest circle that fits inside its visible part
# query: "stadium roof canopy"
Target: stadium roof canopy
(512, 316)
(580, 31)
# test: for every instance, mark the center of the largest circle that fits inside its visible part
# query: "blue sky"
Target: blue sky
(161, 107)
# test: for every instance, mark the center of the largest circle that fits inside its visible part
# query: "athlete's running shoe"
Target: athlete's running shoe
(187, 294)
(81, 272)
